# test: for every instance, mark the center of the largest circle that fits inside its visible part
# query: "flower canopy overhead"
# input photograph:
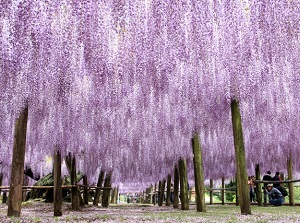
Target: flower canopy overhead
(124, 84)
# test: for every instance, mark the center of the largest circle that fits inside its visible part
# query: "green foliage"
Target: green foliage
(296, 194)
(230, 197)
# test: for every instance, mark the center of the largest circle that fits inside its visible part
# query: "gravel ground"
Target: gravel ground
(43, 212)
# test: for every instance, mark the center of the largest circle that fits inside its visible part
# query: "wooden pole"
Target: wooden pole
(240, 159)
(176, 187)
(147, 200)
(168, 197)
(290, 177)
(211, 197)
(159, 202)
(199, 174)
(57, 185)
(98, 190)
(106, 193)
(162, 192)
(150, 196)
(17, 170)
(1, 179)
(223, 191)
(258, 186)
(85, 191)
(184, 197)
(74, 191)
(154, 195)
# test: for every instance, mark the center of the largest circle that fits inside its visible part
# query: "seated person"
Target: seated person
(275, 196)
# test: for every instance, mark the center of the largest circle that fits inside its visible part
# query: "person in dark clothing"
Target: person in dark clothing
(266, 177)
(276, 178)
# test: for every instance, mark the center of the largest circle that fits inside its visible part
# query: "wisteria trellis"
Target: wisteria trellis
(124, 84)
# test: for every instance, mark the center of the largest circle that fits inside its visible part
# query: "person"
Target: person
(276, 178)
(251, 188)
(254, 188)
(172, 194)
(266, 177)
(275, 196)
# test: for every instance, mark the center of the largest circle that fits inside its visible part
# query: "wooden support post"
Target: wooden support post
(85, 191)
(150, 195)
(176, 187)
(211, 195)
(57, 185)
(290, 177)
(168, 197)
(147, 200)
(223, 191)
(161, 192)
(199, 175)
(114, 196)
(184, 197)
(17, 170)
(154, 195)
(258, 186)
(98, 190)
(1, 179)
(106, 192)
(240, 159)
(74, 191)
(159, 202)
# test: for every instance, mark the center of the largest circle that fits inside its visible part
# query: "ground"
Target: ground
(43, 212)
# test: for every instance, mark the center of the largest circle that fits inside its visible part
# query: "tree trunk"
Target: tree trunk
(17, 170)
(240, 159)
(98, 190)
(57, 185)
(168, 197)
(176, 187)
(71, 165)
(184, 197)
(106, 192)
(291, 185)
(258, 186)
(199, 175)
